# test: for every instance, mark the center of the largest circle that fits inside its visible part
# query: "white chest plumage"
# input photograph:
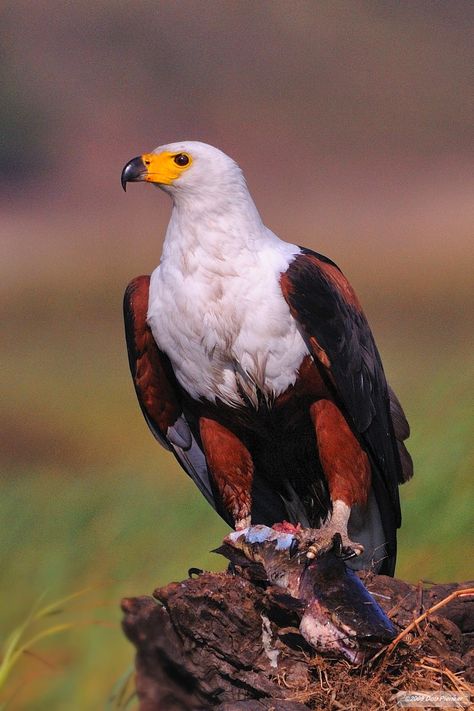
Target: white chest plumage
(224, 323)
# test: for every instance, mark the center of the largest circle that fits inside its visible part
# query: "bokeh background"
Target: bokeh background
(353, 124)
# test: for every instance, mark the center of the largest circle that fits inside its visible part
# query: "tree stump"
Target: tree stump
(227, 641)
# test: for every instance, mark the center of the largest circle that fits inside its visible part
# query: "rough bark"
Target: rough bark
(228, 642)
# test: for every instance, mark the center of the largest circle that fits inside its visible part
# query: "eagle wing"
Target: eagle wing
(157, 391)
(341, 342)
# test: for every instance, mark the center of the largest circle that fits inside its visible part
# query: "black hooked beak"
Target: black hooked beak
(133, 172)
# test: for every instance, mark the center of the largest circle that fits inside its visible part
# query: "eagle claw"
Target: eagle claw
(323, 540)
(195, 572)
(340, 550)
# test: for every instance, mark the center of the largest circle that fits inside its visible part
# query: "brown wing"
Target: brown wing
(339, 337)
(150, 371)
(157, 391)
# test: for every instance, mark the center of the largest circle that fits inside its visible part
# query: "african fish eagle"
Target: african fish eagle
(255, 365)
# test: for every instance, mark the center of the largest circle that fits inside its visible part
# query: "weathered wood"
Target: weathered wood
(226, 642)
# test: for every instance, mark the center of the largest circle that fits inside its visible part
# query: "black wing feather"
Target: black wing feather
(321, 306)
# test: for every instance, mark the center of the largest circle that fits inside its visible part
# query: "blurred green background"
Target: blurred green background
(353, 124)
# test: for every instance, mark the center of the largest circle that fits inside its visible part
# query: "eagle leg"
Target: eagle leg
(231, 468)
(347, 470)
(332, 534)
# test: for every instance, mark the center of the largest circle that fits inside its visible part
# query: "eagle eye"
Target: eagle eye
(181, 159)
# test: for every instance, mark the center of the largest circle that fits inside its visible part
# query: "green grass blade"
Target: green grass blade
(13, 650)
(123, 692)
(37, 638)
(54, 607)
